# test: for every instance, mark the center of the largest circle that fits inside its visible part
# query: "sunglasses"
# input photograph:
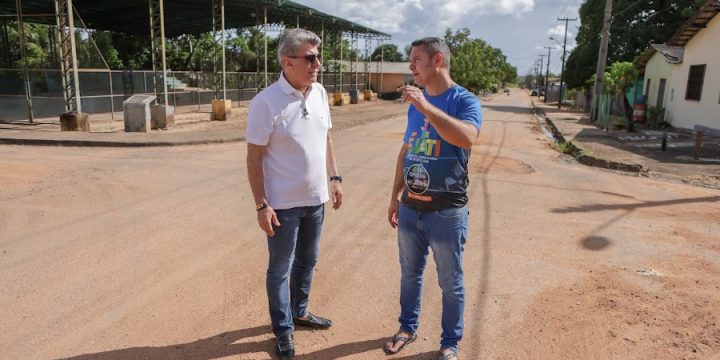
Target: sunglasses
(309, 57)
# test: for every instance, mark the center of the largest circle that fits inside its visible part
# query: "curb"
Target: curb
(165, 143)
(579, 154)
(104, 143)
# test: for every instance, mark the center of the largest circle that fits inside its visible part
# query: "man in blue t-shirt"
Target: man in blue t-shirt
(428, 204)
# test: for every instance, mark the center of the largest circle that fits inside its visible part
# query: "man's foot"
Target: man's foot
(313, 321)
(448, 354)
(285, 347)
(398, 342)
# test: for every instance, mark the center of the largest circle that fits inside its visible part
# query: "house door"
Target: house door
(661, 93)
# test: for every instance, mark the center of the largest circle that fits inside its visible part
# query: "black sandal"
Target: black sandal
(397, 338)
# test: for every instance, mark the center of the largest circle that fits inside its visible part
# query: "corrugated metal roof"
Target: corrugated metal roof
(189, 16)
(672, 54)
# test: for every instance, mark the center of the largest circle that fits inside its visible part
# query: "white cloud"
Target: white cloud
(515, 26)
(558, 32)
(419, 17)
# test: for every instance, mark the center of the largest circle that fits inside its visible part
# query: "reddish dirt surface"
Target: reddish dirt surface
(156, 254)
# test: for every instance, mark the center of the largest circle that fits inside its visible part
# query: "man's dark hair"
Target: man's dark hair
(435, 45)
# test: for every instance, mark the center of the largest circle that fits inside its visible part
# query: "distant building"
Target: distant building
(391, 75)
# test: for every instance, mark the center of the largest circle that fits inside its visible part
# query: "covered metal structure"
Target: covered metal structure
(174, 18)
(189, 16)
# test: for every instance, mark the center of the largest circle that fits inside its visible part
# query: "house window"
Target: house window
(695, 82)
(647, 90)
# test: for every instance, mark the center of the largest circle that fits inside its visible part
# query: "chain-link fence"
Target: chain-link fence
(103, 91)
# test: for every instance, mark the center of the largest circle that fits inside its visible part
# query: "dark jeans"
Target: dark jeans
(293, 252)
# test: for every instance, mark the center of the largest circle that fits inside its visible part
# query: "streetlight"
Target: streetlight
(562, 71)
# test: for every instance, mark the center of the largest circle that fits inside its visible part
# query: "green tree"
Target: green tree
(456, 40)
(475, 64)
(620, 77)
(389, 53)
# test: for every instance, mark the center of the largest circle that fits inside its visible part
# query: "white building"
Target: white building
(683, 75)
(658, 70)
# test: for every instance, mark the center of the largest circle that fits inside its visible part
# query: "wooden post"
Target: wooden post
(698, 144)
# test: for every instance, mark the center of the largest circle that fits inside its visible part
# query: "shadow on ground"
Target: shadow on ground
(680, 145)
(231, 344)
(507, 108)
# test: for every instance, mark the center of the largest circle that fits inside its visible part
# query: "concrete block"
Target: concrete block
(337, 99)
(340, 99)
(369, 95)
(221, 109)
(136, 113)
(162, 116)
(74, 121)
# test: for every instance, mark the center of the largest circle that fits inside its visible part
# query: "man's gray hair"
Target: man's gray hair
(291, 41)
(435, 45)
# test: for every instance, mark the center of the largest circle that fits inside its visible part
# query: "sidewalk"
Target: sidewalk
(192, 127)
(638, 151)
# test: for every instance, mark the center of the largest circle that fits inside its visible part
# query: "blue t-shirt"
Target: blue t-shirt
(435, 172)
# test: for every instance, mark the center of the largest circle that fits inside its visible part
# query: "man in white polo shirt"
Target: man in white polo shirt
(290, 161)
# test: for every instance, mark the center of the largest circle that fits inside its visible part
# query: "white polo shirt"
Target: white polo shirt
(293, 128)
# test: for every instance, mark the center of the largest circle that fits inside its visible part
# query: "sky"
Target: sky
(520, 28)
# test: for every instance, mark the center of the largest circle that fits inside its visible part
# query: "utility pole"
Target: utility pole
(602, 59)
(547, 72)
(562, 72)
(542, 58)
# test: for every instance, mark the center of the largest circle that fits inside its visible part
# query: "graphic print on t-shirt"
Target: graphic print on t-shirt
(423, 151)
(435, 171)
(417, 179)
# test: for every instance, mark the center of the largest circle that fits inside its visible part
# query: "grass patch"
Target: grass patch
(565, 147)
(569, 148)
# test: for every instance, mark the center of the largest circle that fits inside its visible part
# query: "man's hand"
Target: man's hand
(415, 96)
(393, 212)
(336, 194)
(266, 219)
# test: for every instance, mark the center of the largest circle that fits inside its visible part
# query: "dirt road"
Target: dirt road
(155, 253)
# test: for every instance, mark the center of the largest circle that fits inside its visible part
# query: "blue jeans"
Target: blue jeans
(293, 252)
(444, 232)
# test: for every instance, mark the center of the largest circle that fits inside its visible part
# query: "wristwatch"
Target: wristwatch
(336, 178)
(261, 206)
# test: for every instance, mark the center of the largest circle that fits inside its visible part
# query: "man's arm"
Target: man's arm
(455, 131)
(266, 216)
(336, 192)
(397, 187)
(452, 130)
